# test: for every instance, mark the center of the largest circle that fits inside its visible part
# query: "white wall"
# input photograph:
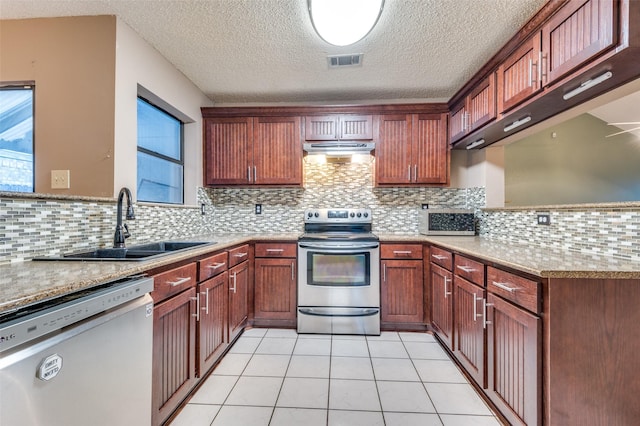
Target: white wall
(137, 62)
(480, 168)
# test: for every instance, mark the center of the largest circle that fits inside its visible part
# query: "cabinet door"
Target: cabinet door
(577, 33)
(458, 122)
(277, 152)
(238, 293)
(429, 148)
(212, 321)
(174, 353)
(401, 291)
(518, 75)
(393, 150)
(227, 146)
(442, 304)
(469, 328)
(275, 289)
(356, 127)
(513, 366)
(482, 103)
(321, 128)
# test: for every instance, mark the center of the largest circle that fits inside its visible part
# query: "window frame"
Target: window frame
(162, 156)
(23, 85)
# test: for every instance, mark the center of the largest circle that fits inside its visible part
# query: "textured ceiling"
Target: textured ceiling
(239, 51)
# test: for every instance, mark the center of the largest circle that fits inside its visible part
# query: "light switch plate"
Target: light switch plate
(60, 179)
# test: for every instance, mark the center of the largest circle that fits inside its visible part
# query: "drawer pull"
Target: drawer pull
(271, 250)
(216, 265)
(179, 282)
(402, 252)
(439, 256)
(240, 254)
(466, 268)
(504, 286)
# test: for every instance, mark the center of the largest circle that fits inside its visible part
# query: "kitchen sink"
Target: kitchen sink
(133, 253)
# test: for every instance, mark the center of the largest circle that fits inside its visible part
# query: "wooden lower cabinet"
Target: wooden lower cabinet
(212, 321)
(174, 353)
(238, 298)
(401, 291)
(275, 291)
(442, 303)
(513, 361)
(469, 331)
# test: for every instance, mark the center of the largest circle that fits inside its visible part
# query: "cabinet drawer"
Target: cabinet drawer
(238, 254)
(212, 265)
(469, 269)
(276, 249)
(173, 282)
(442, 257)
(401, 251)
(519, 290)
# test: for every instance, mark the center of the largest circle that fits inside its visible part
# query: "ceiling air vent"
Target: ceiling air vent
(338, 61)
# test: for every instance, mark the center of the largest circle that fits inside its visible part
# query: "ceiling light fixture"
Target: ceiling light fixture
(344, 22)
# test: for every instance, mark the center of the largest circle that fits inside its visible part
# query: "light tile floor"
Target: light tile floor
(277, 377)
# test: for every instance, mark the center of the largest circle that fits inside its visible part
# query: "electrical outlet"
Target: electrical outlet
(425, 206)
(258, 208)
(60, 179)
(202, 209)
(544, 219)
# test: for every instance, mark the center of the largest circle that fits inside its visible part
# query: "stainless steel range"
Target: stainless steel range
(339, 273)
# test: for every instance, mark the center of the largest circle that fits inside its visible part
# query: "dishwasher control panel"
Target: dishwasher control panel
(43, 318)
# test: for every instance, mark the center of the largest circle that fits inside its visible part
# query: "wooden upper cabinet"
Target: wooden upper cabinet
(338, 127)
(227, 150)
(277, 151)
(476, 110)
(412, 149)
(519, 74)
(253, 151)
(575, 34)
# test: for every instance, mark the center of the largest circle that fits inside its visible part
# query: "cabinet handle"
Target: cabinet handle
(234, 283)
(415, 172)
(484, 313)
(530, 72)
(216, 265)
(542, 68)
(293, 274)
(206, 296)
(409, 173)
(438, 256)
(506, 287)
(402, 252)
(384, 272)
(179, 282)
(475, 309)
(240, 254)
(465, 268)
(197, 314)
(270, 250)
(446, 293)
(249, 173)
(255, 174)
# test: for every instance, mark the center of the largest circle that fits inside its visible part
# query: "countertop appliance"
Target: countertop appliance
(447, 222)
(79, 359)
(339, 273)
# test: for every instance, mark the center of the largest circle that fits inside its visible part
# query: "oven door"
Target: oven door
(339, 274)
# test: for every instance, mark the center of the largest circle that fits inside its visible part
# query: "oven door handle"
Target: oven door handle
(328, 312)
(345, 248)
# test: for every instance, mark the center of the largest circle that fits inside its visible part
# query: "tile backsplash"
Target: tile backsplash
(32, 226)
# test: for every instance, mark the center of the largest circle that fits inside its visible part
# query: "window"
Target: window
(16, 139)
(160, 155)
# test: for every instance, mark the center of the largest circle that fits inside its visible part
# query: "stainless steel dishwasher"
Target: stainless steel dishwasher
(80, 359)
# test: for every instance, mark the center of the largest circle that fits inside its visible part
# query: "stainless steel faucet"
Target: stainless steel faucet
(122, 231)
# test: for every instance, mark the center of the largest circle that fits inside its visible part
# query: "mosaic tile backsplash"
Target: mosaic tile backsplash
(32, 227)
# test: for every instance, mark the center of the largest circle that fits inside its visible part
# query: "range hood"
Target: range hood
(338, 149)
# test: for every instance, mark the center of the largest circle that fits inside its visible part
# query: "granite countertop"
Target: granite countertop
(24, 283)
(544, 262)
(29, 282)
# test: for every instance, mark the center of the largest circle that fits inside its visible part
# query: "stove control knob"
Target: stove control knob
(359, 214)
(365, 214)
(316, 214)
(352, 214)
(310, 214)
